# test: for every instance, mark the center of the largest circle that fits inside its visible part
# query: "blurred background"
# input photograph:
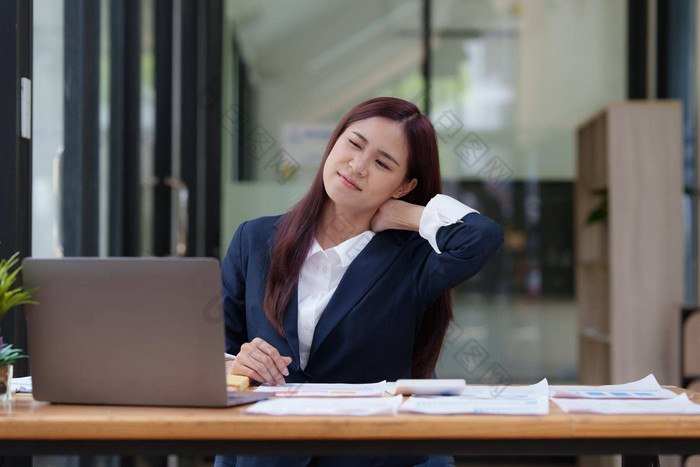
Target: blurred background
(507, 84)
(160, 125)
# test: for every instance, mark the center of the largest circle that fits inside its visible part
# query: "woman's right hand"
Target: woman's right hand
(262, 362)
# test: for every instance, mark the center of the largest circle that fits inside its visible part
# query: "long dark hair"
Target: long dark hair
(297, 228)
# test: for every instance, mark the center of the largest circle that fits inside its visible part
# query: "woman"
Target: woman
(352, 285)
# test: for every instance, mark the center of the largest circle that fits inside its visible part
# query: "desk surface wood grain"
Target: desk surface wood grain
(26, 419)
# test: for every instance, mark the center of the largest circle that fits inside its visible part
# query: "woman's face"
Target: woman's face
(368, 165)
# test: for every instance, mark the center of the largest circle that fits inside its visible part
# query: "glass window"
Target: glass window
(291, 70)
(49, 103)
(503, 75)
(47, 127)
(502, 81)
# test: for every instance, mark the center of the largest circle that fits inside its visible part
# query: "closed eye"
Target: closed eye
(379, 162)
(382, 164)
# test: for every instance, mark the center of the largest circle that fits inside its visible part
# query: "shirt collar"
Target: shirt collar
(346, 251)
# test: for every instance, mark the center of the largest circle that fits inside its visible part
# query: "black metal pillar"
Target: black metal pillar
(80, 218)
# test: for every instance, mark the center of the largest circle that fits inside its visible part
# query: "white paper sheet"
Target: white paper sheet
(645, 388)
(357, 406)
(325, 390)
(429, 387)
(679, 405)
(23, 384)
(533, 391)
(462, 405)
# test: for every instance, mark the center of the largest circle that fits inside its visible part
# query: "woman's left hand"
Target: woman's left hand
(396, 214)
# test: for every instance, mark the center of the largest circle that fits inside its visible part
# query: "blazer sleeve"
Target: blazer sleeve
(233, 280)
(466, 247)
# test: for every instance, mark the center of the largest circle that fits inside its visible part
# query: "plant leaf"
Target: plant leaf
(599, 214)
(12, 297)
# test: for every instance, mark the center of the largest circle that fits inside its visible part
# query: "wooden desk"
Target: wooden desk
(31, 427)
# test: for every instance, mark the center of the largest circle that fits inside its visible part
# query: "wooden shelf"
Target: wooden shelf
(629, 266)
(691, 344)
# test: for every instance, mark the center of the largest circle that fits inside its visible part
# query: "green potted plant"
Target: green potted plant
(10, 297)
(8, 356)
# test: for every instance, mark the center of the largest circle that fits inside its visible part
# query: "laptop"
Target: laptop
(128, 331)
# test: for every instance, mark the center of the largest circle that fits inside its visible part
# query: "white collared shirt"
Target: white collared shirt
(318, 280)
(323, 269)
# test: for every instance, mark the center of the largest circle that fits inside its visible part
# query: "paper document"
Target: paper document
(646, 388)
(357, 406)
(22, 385)
(325, 390)
(444, 405)
(533, 391)
(680, 405)
(428, 387)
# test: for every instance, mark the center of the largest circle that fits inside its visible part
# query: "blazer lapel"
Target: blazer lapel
(359, 278)
(291, 328)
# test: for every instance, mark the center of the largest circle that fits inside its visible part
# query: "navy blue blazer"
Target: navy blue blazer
(367, 331)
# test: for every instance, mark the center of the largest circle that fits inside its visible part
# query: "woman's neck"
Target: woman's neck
(337, 225)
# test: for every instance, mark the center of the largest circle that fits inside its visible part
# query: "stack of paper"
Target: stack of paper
(365, 399)
(325, 390)
(645, 388)
(645, 396)
(327, 399)
(359, 406)
(679, 405)
(22, 384)
(502, 400)
(442, 405)
(533, 391)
